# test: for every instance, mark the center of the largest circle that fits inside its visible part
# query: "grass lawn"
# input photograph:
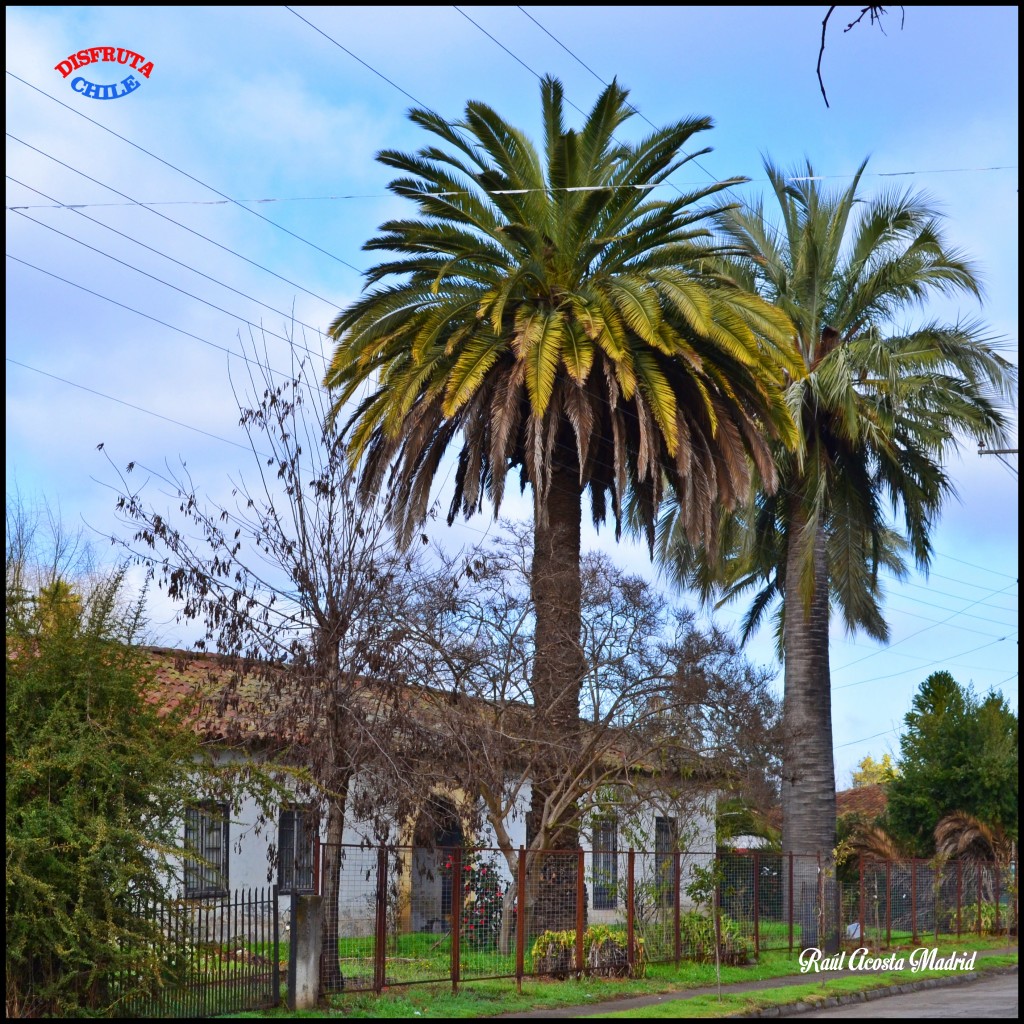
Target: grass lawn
(746, 1002)
(489, 998)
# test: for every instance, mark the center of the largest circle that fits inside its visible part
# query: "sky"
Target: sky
(139, 247)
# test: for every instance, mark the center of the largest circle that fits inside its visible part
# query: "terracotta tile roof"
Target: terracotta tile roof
(865, 801)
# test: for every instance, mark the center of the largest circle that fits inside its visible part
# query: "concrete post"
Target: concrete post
(304, 954)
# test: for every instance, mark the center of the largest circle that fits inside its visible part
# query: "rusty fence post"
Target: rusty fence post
(996, 872)
(888, 904)
(913, 901)
(456, 916)
(521, 920)
(630, 923)
(959, 893)
(977, 871)
(860, 911)
(380, 930)
(790, 901)
(677, 877)
(580, 909)
(757, 902)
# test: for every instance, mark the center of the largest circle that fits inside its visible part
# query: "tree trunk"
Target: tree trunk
(331, 979)
(557, 680)
(808, 773)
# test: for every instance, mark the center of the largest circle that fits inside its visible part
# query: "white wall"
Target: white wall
(249, 864)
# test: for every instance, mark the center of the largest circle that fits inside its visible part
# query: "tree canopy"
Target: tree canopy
(958, 753)
(98, 780)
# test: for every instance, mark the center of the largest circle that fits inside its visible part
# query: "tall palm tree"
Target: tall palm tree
(549, 311)
(879, 406)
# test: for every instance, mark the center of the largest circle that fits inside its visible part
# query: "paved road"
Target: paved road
(986, 997)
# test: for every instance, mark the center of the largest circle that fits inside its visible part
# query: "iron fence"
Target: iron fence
(408, 914)
(209, 957)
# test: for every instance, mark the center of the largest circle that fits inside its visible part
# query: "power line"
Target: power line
(163, 216)
(368, 67)
(158, 252)
(191, 177)
(464, 192)
(944, 661)
(130, 405)
(256, 327)
(912, 635)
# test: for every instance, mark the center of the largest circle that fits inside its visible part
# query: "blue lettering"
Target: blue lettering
(105, 92)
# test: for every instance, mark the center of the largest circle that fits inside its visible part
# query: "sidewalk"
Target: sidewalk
(681, 997)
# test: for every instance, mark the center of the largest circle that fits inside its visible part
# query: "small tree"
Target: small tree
(98, 780)
(302, 587)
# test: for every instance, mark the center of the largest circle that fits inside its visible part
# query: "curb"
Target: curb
(904, 988)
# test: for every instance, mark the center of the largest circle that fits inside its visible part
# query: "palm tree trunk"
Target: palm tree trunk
(808, 773)
(557, 680)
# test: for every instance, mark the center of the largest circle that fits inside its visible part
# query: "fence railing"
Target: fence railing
(210, 956)
(407, 915)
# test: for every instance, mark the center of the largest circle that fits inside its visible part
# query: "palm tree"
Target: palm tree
(550, 311)
(879, 406)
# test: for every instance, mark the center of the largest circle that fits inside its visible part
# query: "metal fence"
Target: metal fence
(212, 956)
(409, 915)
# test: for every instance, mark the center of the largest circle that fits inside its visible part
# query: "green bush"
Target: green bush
(97, 783)
(604, 953)
(697, 938)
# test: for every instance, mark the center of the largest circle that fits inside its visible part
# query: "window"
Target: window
(666, 841)
(206, 836)
(606, 862)
(296, 850)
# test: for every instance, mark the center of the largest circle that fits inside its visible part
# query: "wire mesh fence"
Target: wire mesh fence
(407, 915)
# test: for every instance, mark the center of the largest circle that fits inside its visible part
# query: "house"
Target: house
(249, 844)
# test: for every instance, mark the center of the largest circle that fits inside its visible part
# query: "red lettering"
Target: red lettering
(95, 52)
(136, 57)
(146, 69)
(64, 64)
(83, 58)
(108, 53)
(122, 55)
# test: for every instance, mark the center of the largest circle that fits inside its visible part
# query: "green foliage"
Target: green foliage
(96, 784)
(697, 938)
(957, 753)
(604, 952)
(482, 899)
(874, 773)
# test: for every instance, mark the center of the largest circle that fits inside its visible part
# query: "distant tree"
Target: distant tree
(958, 753)
(873, 773)
(98, 781)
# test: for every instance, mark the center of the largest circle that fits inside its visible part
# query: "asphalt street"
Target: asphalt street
(994, 996)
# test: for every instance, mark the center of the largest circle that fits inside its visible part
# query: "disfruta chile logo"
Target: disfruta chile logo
(105, 55)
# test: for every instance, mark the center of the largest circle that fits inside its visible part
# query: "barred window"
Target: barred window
(296, 850)
(606, 862)
(206, 838)
(666, 841)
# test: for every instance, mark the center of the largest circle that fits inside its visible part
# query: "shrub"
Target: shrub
(482, 899)
(97, 782)
(697, 938)
(604, 953)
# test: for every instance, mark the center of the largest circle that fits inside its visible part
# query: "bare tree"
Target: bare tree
(301, 591)
(669, 710)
